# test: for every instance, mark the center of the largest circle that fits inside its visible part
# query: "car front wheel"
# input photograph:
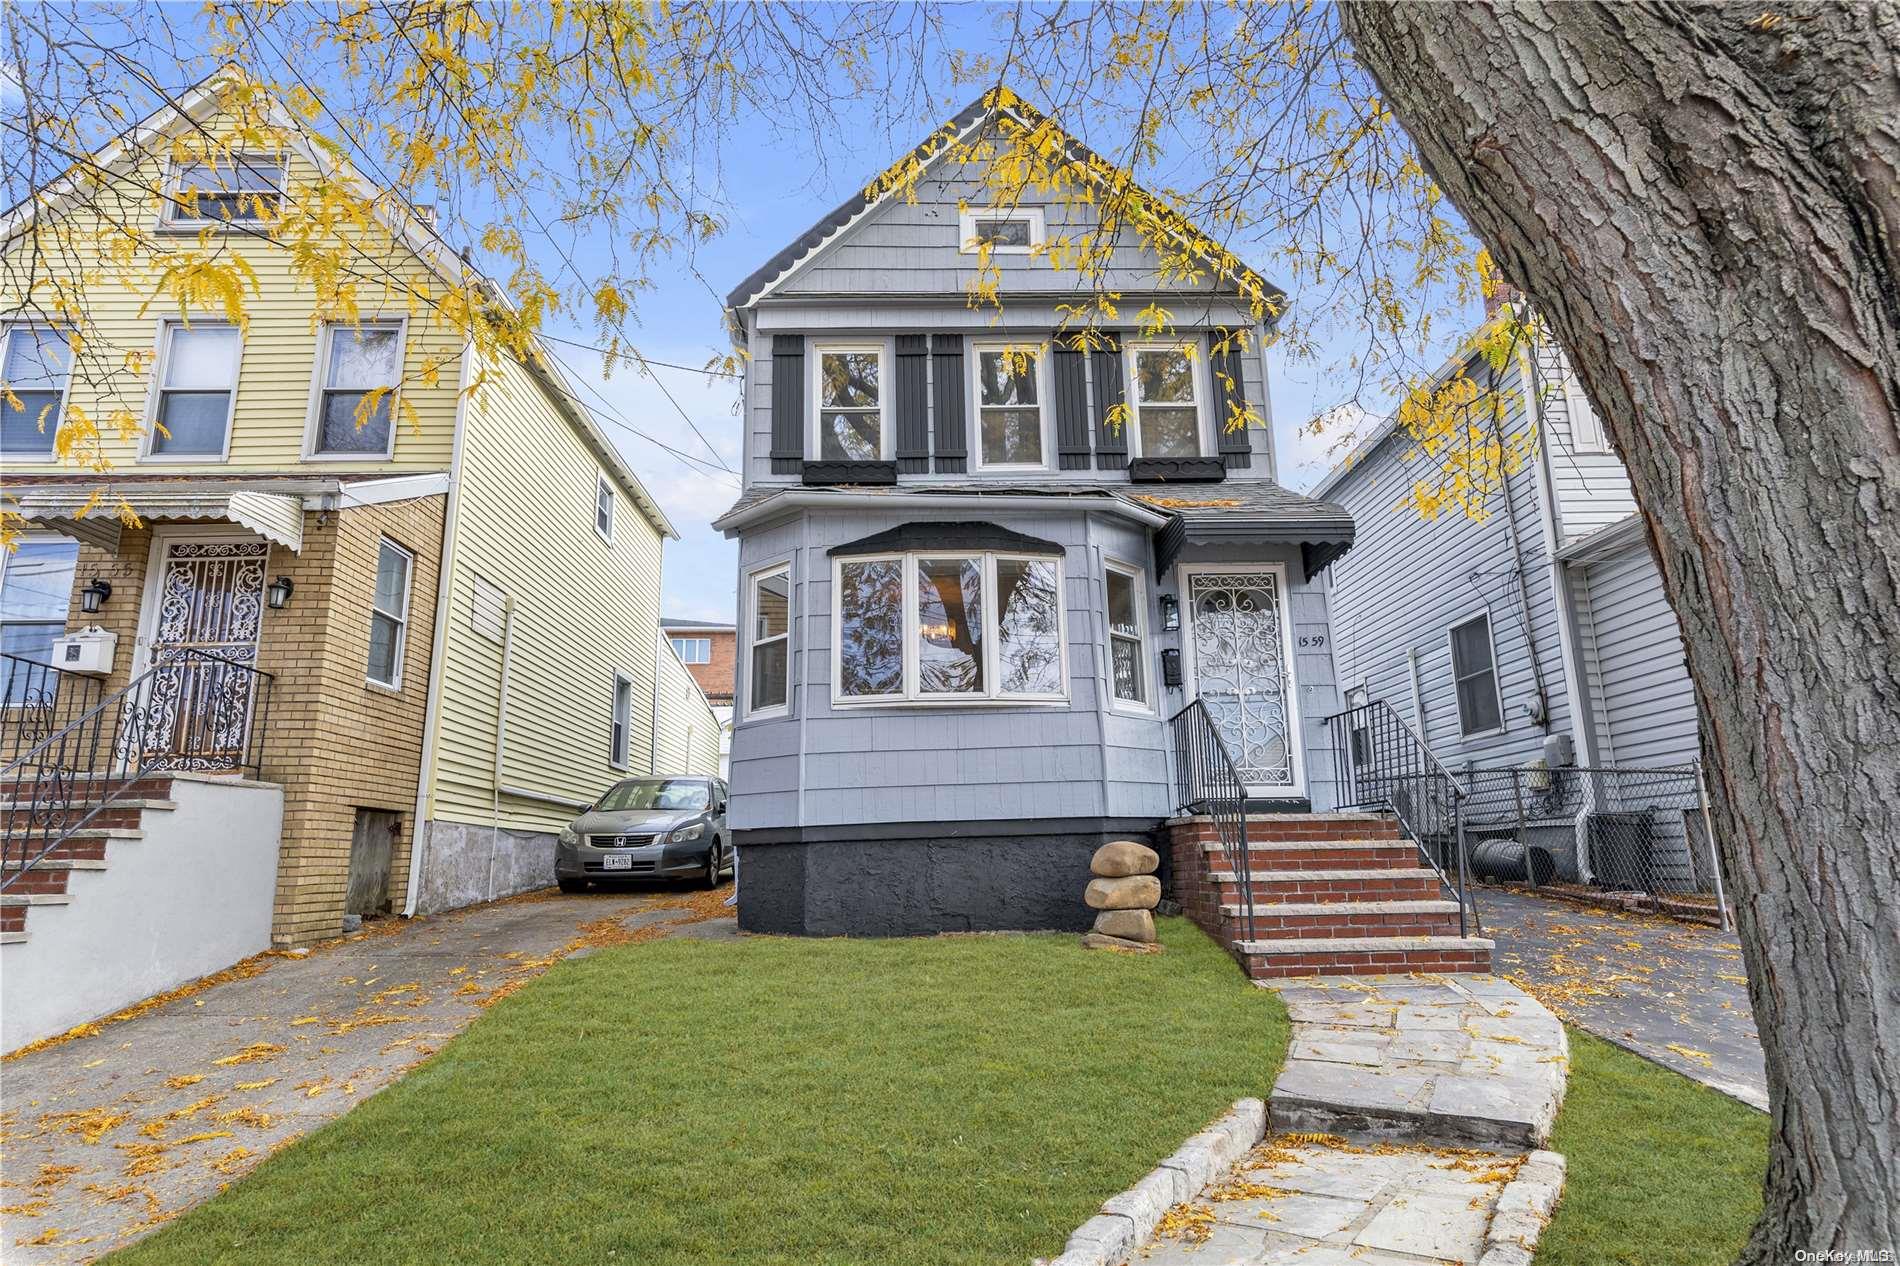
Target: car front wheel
(713, 865)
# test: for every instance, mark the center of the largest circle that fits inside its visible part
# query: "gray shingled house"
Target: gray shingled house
(975, 606)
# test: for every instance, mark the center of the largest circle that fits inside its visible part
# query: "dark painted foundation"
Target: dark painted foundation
(918, 886)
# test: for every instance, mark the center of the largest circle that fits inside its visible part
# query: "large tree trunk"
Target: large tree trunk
(1705, 204)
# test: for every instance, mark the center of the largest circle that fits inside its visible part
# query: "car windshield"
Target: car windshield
(656, 793)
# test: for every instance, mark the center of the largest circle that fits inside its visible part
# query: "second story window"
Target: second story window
(693, 650)
(1165, 402)
(1009, 406)
(240, 189)
(361, 364)
(35, 375)
(604, 509)
(197, 387)
(850, 395)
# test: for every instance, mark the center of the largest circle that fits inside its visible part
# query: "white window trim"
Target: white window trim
(886, 445)
(65, 391)
(604, 484)
(966, 229)
(623, 759)
(1589, 436)
(1045, 414)
(162, 348)
(749, 621)
(1133, 573)
(913, 695)
(319, 383)
(174, 170)
(1497, 684)
(697, 641)
(402, 618)
(1197, 364)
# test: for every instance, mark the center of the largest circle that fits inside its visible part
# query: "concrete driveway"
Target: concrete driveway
(1675, 992)
(107, 1137)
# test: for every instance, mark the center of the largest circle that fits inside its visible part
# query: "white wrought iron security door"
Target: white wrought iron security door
(1242, 670)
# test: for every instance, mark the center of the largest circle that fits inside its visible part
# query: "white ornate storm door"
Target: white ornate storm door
(204, 612)
(1240, 666)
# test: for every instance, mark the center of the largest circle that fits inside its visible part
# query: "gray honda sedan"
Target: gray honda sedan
(648, 828)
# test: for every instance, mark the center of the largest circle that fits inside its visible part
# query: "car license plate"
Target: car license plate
(616, 861)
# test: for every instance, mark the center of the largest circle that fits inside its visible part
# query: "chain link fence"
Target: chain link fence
(1614, 829)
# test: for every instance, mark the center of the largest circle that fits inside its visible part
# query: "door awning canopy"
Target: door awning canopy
(75, 512)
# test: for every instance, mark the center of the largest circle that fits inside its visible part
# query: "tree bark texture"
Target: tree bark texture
(1705, 205)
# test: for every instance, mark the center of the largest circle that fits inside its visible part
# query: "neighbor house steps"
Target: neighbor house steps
(48, 880)
(1333, 894)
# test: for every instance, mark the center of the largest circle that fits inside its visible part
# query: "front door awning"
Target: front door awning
(91, 519)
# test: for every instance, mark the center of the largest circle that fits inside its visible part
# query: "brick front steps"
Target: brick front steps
(1333, 894)
(48, 880)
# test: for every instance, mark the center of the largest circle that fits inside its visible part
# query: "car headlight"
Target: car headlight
(692, 832)
(569, 835)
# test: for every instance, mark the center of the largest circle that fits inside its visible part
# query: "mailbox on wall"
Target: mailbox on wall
(90, 651)
(1171, 667)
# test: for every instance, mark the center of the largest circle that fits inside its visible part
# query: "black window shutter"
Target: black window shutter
(1105, 366)
(946, 354)
(1072, 406)
(1225, 363)
(788, 403)
(913, 404)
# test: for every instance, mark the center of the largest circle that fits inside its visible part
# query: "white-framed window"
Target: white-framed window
(36, 587)
(604, 508)
(36, 369)
(196, 392)
(233, 189)
(1127, 635)
(948, 626)
(1164, 400)
(1011, 394)
(769, 649)
(693, 650)
(620, 727)
(1586, 429)
(389, 613)
(359, 370)
(1005, 231)
(850, 422)
(1475, 676)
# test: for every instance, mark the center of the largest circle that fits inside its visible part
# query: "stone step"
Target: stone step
(54, 862)
(1381, 883)
(1364, 955)
(1349, 919)
(13, 938)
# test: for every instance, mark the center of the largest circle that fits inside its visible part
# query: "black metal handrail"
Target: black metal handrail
(1382, 763)
(37, 700)
(1208, 783)
(191, 711)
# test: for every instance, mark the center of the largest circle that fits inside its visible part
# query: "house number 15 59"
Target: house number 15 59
(1312, 641)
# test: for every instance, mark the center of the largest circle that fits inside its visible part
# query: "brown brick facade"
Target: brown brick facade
(335, 742)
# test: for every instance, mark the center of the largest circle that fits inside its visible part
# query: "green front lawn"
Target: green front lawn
(957, 1099)
(1662, 1171)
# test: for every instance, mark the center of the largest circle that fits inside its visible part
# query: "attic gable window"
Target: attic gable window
(1016, 231)
(241, 189)
(850, 396)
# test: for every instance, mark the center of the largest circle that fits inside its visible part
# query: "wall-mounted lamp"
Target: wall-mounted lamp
(1170, 613)
(94, 596)
(279, 592)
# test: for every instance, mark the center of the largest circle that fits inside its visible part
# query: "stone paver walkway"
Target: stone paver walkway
(104, 1138)
(1404, 1127)
(1674, 992)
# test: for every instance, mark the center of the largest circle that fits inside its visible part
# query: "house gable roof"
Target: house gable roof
(889, 184)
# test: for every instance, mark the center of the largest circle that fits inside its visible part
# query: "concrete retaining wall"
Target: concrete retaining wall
(464, 863)
(190, 898)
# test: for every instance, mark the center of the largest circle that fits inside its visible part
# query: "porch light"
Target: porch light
(279, 593)
(1170, 613)
(94, 596)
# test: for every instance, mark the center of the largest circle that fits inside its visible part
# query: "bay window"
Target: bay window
(1127, 636)
(943, 626)
(769, 602)
(1165, 401)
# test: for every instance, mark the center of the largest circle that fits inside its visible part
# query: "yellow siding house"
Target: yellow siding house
(435, 627)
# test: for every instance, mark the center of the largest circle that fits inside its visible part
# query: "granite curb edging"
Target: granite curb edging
(1523, 1210)
(1127, 1221)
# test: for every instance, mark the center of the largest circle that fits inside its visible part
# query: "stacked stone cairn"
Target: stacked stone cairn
(1126, 892)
